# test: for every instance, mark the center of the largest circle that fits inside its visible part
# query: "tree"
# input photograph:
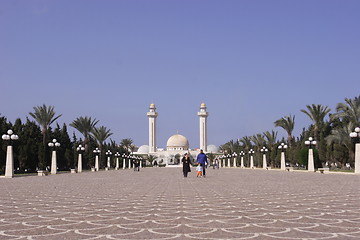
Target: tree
(44, 116)
(317, 113)
(348, 111)
(341, 136)
(287, 123)
(85, 126)
(100, 135)
(271, 142)
(127, 145)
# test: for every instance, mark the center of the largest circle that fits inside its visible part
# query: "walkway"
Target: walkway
(158, 203)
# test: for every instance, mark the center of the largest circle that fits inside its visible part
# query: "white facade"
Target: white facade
(177, 145)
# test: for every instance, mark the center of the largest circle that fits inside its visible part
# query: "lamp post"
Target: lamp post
(251, 152)
(264, 150)
(9, 169)
(234, 155)
(80, 150)
(54, 144)
(97, 153)
(242, 154)
(130, 159)
(310, 143)
(108, 153)
(356, 135)
(282, 147)
(124, 160)
(117, 155)
(140, 160)
(228, 161)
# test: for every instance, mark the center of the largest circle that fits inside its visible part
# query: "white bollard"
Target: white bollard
(9, 169)
(53, 163)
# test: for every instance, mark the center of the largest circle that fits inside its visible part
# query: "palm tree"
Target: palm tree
(316, 113)
(127, 144)
(84, 125)
(271, 139)
(348, 111)
(287, 123)
(44, 116)
(258, 140)
(340, 135)
(101, 134)
(246, 141)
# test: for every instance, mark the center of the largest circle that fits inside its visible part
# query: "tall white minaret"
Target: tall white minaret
(203, 127)
(152, 114)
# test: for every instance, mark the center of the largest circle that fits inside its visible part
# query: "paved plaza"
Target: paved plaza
(158, 203)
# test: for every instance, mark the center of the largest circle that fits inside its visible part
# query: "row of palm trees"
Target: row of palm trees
(45, 115)
(332, 133)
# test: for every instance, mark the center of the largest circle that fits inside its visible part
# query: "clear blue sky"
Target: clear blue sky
(252, 62)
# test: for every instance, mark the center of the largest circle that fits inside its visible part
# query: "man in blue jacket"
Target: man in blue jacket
(202, 159)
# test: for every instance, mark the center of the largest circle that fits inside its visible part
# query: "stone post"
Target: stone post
(117, 164)
(242, 162)
(129, 163)
(229, 165)
(251, 161)
(234, 162)
(357, 158)
(108, 162)
(79, 169)
(264, 162)
(311, 167)
(9, 169)
(282, 161)
(124, 163)
(53, 162)
(97, 162)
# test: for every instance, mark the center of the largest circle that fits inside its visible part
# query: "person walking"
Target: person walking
(202, 159)
(186, 164)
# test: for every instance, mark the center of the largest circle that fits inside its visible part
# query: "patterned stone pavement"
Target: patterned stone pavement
(158, 203)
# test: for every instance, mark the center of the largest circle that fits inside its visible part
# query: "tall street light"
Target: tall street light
(282, 147)
(117, 155)
(9, 169)
(356, 136)
(251, 152)
(264, 150)
(108, 153)
(97, 153)
(80, 150)
(54, 144)
(242, 154)
(234, 155)
(229, 158)
(124, 160)
(310, 143)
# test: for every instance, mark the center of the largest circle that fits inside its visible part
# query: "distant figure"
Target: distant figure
(155, 163)
(199, 170)
(186, 164)
(202, 159)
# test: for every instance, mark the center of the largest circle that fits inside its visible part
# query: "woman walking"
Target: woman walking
(186, 164)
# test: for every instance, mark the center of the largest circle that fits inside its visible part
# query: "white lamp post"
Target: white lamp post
(356, 135)
(129, 158)
(282, 147)
(310, 143)
(54, 144)
(264, 150)
(229, 158)
(108, 153)
(124, 160)
(97, 153)
(242, 154)
(140, 159)
(251, 152)
(117, 155)
(234, 155)
(9, 169)
(80, 150)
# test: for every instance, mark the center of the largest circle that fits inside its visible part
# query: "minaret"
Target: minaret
(152, 114)
(203, 127)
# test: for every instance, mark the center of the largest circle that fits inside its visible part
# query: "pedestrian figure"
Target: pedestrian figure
(202, 159)
(199, 170)
(186, 164)
(155, 163)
